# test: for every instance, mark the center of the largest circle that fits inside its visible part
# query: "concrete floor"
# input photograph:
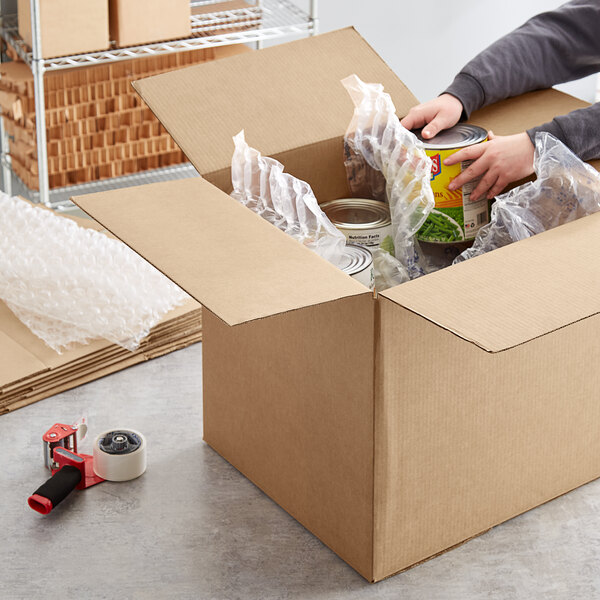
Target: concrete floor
(193, 527)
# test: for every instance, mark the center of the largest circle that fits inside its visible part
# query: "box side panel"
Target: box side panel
(516, 293)
(466, 439)
(288, 401)
(520, 113)
(320, 164)
(144, 21)
(67, 26)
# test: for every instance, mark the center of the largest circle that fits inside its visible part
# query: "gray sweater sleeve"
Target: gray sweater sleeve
(553, 47)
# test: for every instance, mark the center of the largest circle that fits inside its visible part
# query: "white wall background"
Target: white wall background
(426, 42)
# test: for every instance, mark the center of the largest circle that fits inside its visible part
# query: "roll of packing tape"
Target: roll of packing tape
(119, 455)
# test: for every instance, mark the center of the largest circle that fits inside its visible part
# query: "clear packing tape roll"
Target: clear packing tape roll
(119, 454)
(71, 284)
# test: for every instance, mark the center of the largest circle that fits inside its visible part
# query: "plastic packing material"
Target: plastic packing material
(285, 201)
(70, 284)
(385, 161)
(565, 189)
(388, 270)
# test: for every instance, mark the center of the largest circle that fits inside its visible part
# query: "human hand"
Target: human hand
(437, 114)
(499, 161)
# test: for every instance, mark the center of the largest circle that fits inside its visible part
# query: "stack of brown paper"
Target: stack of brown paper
(30, 370)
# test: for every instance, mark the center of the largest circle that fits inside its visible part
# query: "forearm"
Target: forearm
(554, 47)
(579, 130)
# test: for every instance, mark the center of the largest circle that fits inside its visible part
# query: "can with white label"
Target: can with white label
(363, 221)
(455, 218)
(357, 262)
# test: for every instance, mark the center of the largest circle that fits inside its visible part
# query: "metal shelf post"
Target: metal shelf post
(314, 19)
(38, 69)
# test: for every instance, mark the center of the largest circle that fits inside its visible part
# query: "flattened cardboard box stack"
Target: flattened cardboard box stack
(97, 126)
(31, 371)
(392, 426)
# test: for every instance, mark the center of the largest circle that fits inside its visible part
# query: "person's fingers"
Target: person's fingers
(439, 122)
(416, 117)
(470, 153)
(491, 135)
(478, 168)
(486, 183)
(500, 184)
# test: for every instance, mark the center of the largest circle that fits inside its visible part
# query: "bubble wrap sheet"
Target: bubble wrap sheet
(70, 284)
(565, 189)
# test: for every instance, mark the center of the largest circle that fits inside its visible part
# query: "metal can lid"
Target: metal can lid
(459, 136)
(357, 213)
(355, 259)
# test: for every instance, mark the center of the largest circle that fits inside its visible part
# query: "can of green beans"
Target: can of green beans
(357, 262)
(455, 218)
(363, 221)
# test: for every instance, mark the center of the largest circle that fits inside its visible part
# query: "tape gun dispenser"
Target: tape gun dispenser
(119, 455)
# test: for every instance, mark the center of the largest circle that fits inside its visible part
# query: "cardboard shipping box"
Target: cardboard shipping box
(67, 26)
(144, 21)
(393, 426)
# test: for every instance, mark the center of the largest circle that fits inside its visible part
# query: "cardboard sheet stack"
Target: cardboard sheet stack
(97, 126)
(31, 371)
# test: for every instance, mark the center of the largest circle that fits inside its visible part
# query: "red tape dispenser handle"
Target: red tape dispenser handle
(70, 474)
(55, 490)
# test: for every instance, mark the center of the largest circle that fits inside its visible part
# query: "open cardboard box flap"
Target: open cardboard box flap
(225, 256)
(284, 97)
(289, 97)
(516, 293)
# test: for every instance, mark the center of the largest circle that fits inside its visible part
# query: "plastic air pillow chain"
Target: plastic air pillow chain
(285, 201)
(565, 189)
(385, 161)
(71, 284)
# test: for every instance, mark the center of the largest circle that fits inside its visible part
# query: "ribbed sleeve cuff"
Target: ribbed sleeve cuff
(469, 91)
(550, 127)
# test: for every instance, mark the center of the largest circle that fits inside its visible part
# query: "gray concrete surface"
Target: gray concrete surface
(193, 527)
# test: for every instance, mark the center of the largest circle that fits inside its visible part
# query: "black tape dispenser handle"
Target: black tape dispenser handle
(55, 490)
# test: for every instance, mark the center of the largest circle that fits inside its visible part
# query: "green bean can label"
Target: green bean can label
(455, 218)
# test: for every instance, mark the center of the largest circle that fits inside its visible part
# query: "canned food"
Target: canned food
(357, 262)
(364, 222)
(455, 218)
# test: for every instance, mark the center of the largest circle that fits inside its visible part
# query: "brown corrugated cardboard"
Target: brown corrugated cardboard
(542, 271)
(393, 427)
(135, 22)
(239, 283)
(67, 26)
(295, 101)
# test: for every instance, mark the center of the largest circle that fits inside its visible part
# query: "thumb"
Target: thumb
(491, 135)
(438, 123)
